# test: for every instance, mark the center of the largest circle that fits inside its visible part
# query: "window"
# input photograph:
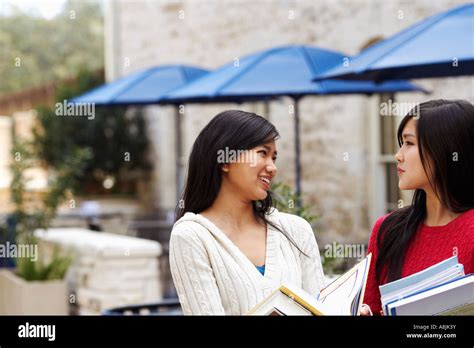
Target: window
(388, 149)
(384, 194)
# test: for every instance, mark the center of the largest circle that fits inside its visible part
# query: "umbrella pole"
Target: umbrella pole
(179, 153)
(266, 106)
(297, 152)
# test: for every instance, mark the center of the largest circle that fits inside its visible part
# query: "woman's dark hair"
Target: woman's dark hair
(445, 133)
(234, 130)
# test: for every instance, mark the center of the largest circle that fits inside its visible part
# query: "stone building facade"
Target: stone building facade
(344, 168)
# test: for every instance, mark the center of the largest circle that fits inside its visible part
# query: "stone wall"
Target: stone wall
(108, 270)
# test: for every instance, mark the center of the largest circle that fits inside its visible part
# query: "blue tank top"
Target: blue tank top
(261, 269)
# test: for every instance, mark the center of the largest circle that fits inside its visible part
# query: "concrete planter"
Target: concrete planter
(19, 297)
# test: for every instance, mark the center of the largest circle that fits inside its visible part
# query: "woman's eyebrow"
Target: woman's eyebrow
(406, 135)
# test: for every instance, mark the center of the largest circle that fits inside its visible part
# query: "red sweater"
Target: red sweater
(429, 246)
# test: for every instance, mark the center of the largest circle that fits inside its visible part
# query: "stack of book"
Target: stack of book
(441, 289)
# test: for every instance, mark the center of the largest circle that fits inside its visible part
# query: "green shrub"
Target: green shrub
(286, 201)
(39, 271)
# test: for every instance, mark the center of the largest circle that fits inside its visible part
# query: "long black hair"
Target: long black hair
(445, 133)
(235, 130)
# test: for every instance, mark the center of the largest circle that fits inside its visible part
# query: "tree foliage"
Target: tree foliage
(115, 136)
(34, 50)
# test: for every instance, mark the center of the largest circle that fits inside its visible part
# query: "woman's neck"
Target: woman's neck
(230, 210)
(436, 213)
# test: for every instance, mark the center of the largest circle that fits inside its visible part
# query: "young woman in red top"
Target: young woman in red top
(436, 159)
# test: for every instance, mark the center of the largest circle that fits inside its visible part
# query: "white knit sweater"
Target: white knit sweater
(212, 275)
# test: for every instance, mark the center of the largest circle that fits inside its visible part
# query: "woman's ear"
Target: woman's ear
(225, 167)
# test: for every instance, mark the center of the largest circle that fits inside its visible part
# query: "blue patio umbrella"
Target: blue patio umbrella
(438, 46)
(144, 87)
(281, 71)
(147, 87)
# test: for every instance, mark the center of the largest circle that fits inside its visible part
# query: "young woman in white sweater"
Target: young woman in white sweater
(229, 247)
